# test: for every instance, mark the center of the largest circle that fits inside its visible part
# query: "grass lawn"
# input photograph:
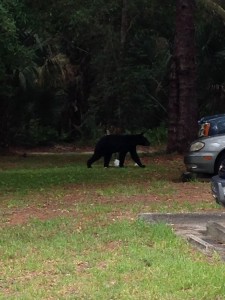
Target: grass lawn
(68, 232)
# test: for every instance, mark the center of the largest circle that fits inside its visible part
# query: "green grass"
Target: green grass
(99, 250)
(23, 175)
(124, 260)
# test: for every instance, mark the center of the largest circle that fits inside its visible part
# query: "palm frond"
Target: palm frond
(57, 71)
(214, 7)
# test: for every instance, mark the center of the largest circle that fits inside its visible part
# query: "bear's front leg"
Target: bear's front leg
(135, 157)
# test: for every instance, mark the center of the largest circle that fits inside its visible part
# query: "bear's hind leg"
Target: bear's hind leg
(107, 158)
(122, 156)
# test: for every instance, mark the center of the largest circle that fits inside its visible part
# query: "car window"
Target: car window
(221, 126)
(211, 126)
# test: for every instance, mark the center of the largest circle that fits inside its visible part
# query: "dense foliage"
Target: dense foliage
(70, 70)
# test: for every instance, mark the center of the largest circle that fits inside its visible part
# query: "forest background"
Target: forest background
(70, 70)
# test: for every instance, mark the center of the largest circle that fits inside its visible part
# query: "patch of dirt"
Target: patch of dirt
(47, 212)
(54, 149)
(75, 195)
(184, 192)
(70, 148)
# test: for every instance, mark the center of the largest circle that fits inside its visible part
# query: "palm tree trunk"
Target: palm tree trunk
(182, 108)
(124, 24)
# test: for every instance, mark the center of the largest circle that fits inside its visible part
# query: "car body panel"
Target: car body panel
(204, 160)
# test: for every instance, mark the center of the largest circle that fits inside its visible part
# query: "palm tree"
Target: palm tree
(182, 128)
(182, 96)
(64, 79)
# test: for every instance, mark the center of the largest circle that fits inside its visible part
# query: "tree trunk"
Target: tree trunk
(182, 107)
(4, 123)
(123, 38)
(124, 26)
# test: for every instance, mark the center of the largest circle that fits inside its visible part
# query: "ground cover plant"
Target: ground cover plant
(68, 232)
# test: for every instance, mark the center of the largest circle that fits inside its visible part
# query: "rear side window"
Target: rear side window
(221, 126)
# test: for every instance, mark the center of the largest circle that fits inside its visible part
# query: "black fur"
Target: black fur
(122, 144)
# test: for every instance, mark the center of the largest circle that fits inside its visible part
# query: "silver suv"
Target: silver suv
(207, 153)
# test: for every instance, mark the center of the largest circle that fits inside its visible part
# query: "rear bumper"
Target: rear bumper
(218, 189)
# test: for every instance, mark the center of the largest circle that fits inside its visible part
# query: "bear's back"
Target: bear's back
(116, 143)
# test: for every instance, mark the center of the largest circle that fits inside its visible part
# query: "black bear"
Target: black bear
(122, 144)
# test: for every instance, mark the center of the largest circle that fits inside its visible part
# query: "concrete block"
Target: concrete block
(200, 243)
(216, 231)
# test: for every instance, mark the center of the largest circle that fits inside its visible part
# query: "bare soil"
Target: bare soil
(46, 208)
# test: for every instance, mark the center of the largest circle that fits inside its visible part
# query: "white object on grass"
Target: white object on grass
(116, 162)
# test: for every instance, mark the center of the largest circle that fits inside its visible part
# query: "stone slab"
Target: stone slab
(200, 243)
(198, 219)
(205, 231)
(216, 231)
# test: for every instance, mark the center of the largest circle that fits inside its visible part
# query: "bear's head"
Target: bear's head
(142, 141)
